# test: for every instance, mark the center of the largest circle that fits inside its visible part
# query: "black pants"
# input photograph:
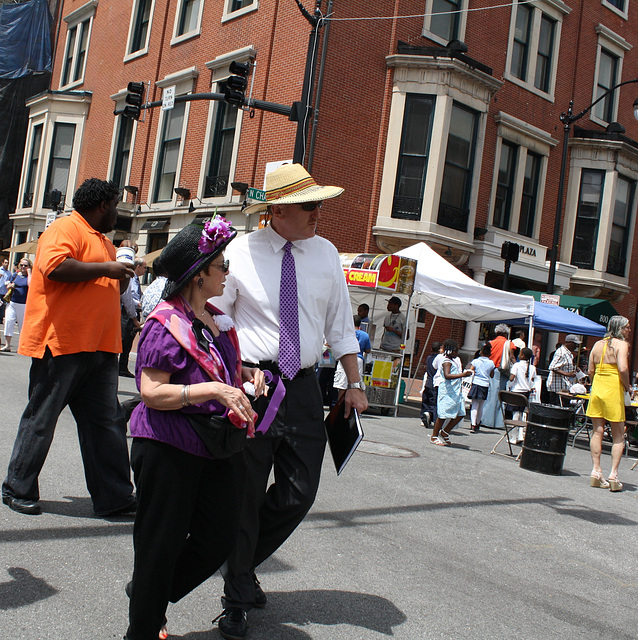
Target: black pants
(185, 527)
(128, 335)
(428, 402)
(270, 514)
(87, 383)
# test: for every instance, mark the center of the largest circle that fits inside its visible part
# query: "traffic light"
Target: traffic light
(235, 89)
(134, 100)
(510, 251)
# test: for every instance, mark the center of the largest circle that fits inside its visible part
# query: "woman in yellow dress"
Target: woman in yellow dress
(609, 372)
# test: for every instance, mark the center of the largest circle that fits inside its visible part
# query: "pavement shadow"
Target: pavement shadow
(316, 606)
(379, 515)
(23, 589)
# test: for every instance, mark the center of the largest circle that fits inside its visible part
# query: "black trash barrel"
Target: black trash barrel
(546, 438)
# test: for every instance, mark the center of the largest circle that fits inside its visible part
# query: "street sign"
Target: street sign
(550, 298)
(50, 218)
(256, 194)
(168, 98)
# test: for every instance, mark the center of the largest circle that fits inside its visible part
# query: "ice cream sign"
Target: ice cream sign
(379, 270)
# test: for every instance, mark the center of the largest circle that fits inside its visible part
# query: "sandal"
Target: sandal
(598, 480)
(615, 484)
(445, 436)
(438, 441)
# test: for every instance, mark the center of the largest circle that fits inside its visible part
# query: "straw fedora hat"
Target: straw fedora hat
(292, 184)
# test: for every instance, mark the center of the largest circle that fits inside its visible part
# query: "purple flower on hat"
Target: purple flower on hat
(215, 233)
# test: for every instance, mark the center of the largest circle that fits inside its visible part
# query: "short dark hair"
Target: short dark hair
(365, 306)
(436, 347)
(92, 193)
(357, 320)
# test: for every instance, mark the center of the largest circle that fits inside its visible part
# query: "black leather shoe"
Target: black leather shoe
(129, 509)
(261, 600)
(125, 373)
(30, 507)
(232, 624)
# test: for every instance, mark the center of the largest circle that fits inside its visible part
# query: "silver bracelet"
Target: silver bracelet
(186, 395)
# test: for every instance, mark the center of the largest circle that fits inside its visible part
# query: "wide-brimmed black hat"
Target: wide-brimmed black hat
(192, 250)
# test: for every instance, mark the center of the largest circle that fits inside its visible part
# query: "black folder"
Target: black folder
(344, 434)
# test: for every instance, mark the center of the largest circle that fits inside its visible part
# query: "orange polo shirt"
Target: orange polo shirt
(71, 317)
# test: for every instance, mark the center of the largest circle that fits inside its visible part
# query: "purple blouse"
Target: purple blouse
(158, 349)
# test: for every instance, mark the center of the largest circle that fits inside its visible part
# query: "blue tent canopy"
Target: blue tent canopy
(554, 318)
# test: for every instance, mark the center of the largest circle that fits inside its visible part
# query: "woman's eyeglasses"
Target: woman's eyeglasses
(223, 267)
(310, 206)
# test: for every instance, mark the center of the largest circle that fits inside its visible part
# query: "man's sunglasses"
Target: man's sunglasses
(223, 267)
(310, 206)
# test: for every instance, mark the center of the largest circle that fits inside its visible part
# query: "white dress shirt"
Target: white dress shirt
(251, 296)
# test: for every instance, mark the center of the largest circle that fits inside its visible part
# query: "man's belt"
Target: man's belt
(271, 365)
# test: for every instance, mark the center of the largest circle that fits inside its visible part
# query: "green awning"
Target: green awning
(592, 308)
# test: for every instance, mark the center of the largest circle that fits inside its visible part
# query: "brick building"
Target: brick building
(440, 117)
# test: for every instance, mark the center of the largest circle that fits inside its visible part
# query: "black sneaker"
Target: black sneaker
(232, 624)
(261, 600)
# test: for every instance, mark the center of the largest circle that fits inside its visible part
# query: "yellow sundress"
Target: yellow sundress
(607, 392)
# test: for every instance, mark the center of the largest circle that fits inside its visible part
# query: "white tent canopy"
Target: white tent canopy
(447, 292)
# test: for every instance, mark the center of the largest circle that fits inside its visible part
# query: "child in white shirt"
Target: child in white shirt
(522, 380)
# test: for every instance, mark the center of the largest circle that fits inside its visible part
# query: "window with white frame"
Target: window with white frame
(434, 147)
(169, 152)
(188, 19)
(445, 20)
(624, 205)
(617, 6)
(122, 151)
(221, 152)
(140, 28)
(222, 135)
(33, 163)
(606, 78)
(454, 205)
(530, 195)
(517, 188)
(77, 43)
(236, 8)
(534, 44)
(588, 214)
(59, 161)
(505, 186)
(413, 156)
(609, 60)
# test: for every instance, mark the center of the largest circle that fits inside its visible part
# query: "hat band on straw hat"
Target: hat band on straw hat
(289, 189)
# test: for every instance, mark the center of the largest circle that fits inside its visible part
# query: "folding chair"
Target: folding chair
(518, 401)
(580, 421)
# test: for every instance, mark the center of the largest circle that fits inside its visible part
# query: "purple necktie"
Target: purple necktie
(289, 350)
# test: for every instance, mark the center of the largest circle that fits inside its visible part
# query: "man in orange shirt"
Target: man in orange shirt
(72, 333)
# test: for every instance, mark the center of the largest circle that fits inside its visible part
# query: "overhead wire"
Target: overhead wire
(433, 13)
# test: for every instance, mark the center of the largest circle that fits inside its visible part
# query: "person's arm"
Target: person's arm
(447, 366)
(72, 270)
(28, 276)
(354, 398)
(591, 367)
(256, 378)
(622, 361)
(158, 393)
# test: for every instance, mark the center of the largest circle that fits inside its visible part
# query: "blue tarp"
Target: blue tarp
(554, 318)
(25, 39)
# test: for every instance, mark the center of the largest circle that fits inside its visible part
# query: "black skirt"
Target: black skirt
(477, 392)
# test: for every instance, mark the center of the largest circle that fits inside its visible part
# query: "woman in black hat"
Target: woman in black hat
(186, 517)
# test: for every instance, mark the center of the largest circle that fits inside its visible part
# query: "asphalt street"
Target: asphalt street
(412, 541)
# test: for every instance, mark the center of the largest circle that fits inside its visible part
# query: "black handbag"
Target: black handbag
(220, 436)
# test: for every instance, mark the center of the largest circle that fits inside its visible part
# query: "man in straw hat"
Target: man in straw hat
(260, 274)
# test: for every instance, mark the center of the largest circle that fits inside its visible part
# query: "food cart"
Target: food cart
(371, 276)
